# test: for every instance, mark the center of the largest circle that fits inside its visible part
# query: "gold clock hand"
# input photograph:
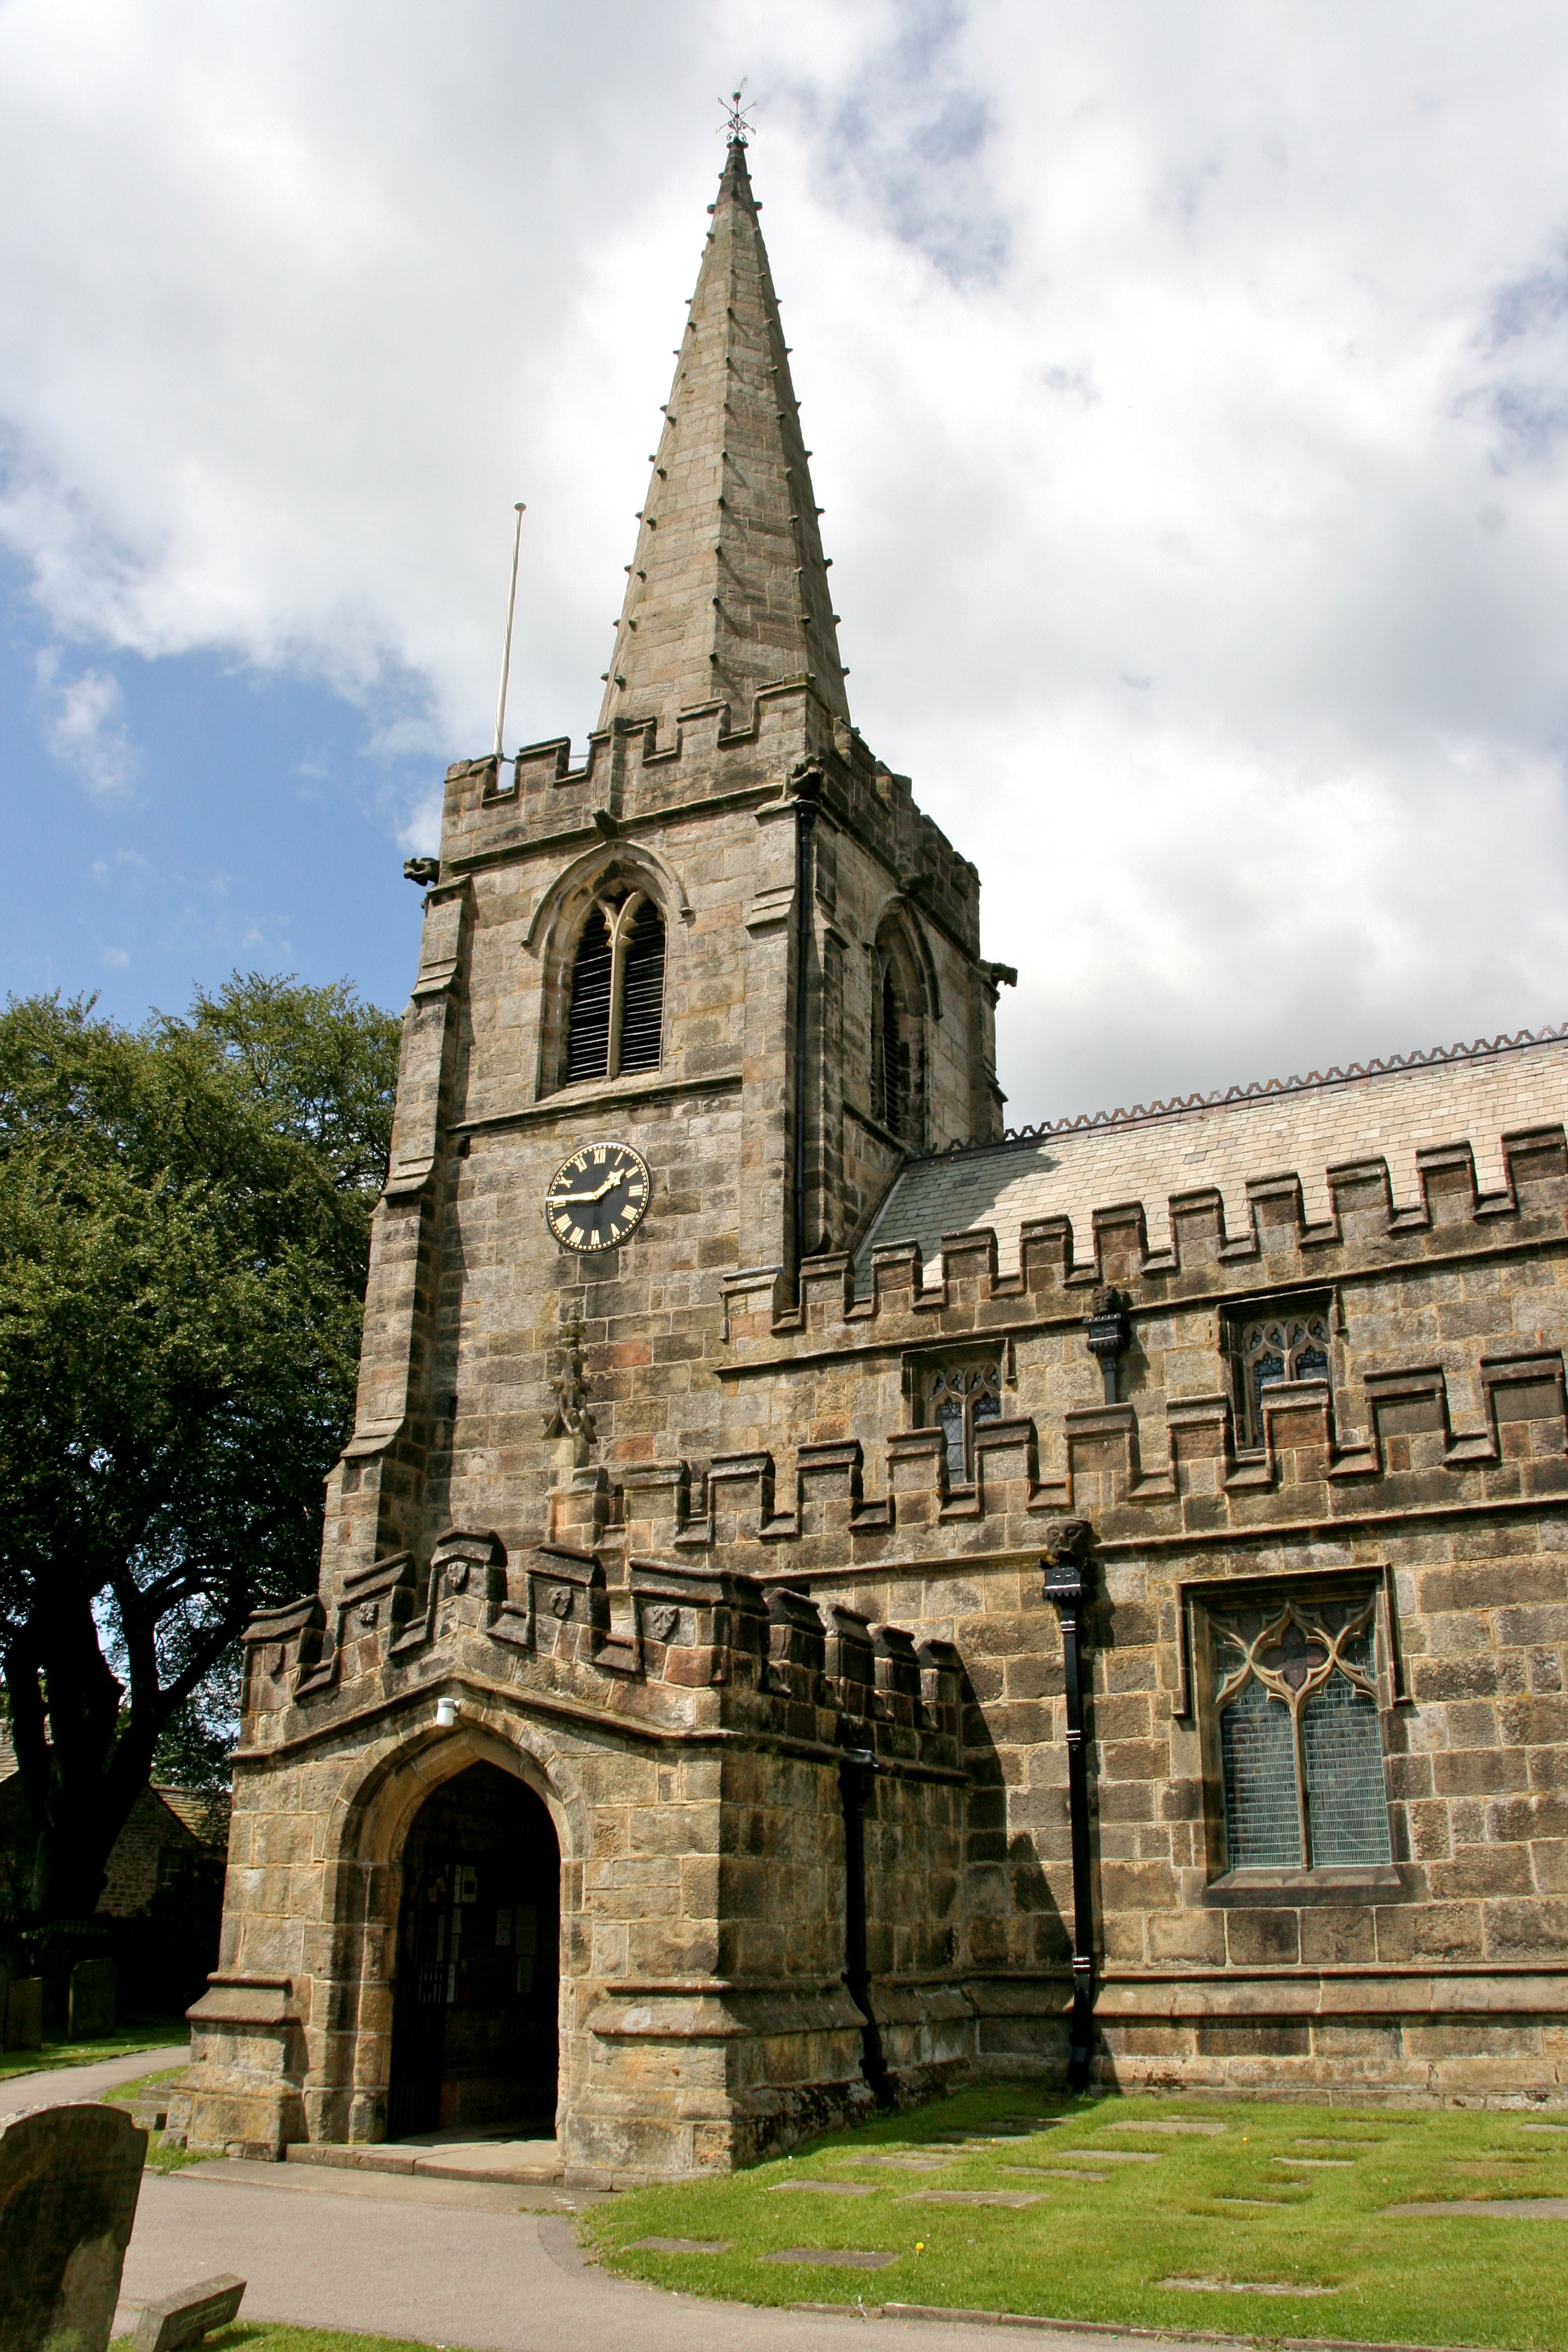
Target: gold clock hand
(607, 1186)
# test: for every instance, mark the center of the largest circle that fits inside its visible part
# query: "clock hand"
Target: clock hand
(607, 1186)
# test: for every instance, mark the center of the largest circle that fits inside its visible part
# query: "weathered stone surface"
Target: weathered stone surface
(92, 1999)
(732, 1556)
(69, 2179)
(24, 2014)
(184, 2318)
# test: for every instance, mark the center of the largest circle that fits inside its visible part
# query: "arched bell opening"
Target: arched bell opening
(898, 1037)
(613, 988)
(474, 2039)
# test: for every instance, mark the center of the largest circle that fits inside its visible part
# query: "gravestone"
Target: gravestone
(25, 2014)
(184, 2318)
(92, 1997)
(69, 2177)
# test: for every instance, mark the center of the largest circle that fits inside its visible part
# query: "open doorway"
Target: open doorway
(474, 2039)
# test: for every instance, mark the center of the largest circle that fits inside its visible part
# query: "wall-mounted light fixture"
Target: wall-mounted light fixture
(445, 1713)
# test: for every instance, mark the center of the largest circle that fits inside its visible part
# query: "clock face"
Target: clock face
(598, 1197)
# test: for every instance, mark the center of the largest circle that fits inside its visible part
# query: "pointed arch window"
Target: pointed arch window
(1300, 1748)
(1290, 1342)
(898, 1056)
(614, 1024)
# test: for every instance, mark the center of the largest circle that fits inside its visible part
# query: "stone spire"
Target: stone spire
(727, 589)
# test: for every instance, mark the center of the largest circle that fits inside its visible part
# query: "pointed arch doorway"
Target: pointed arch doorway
(474, 2033)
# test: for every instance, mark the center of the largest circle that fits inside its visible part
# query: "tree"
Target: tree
(185, 1226)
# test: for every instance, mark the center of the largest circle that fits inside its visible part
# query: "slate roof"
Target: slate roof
(1475, 1093)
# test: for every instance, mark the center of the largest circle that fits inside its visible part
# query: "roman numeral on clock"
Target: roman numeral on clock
(598, 1196)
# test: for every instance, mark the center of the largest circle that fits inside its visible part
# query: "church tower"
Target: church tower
(806, 1613)
(726, 944)
(684, 1010)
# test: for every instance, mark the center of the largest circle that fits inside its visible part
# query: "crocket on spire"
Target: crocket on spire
(727, 589)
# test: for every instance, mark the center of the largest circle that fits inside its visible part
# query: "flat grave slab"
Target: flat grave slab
(1244, 2287)
(1506, 2209)
(825, 2188)
(679, 2246)
(1055, 2172)
(1010, 2196)
(913, 2162)
(1208, 2131)
(839, 2258)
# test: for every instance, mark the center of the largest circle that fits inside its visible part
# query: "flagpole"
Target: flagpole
(506, 653)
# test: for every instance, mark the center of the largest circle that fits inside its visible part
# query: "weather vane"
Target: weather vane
(736, 127)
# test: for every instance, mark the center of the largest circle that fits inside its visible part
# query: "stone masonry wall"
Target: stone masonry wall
(688, 1752)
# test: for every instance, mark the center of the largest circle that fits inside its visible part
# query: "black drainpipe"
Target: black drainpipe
(808, 789)
(855, 1773)
(1068, 1579)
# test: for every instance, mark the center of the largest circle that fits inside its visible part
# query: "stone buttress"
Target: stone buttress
(722, 1543)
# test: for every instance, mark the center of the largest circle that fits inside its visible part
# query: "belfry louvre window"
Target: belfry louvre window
(899, 1043)
(960, 1399)
(1300, 1747)
(616, 1024)
(895, 1060)
(1286, 1343)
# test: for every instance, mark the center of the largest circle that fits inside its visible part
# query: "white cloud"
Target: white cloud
(84, 724)
(1189, 396)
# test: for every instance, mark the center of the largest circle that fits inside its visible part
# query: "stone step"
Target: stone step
(536, 2164)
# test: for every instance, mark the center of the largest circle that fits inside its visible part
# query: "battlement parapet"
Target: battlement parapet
(677, 1649)
(628, 776)
(1132, 1472)
(767, 1318)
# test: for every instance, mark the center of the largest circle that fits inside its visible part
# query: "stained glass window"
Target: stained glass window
(1292, 1345)
(960, 1398)
(1300, 1739)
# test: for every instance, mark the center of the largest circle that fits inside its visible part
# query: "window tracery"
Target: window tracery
(1291, 1343)
(1295, 1691)
(960, 1399)
(614, 1024)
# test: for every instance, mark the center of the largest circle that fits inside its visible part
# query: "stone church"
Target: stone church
(823, 1596)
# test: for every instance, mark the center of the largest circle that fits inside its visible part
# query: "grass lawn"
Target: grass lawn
(256, 2335)
(146, 2034)
(1293, 2197)
(162, 2154)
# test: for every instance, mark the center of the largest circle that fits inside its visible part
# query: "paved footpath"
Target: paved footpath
(475, 2264)
(446, 2263)
(53, 2085)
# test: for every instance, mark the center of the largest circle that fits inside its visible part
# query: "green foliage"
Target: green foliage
(142, 2034)
(258, 2335)
(1132, 2225)
(184, 1221)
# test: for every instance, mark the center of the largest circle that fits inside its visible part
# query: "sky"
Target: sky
(1188, 395)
